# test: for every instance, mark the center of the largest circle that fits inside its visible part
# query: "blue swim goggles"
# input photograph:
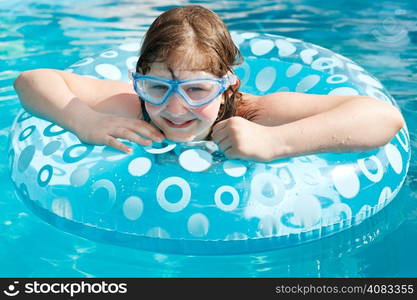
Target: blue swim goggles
(195, 92)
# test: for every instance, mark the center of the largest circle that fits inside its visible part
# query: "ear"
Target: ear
(237, 83)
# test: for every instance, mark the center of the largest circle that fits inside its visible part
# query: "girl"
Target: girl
(187, 91)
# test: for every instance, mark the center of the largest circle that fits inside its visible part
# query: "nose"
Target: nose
(175, 105)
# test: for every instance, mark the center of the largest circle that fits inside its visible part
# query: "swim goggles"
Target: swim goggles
(195, 92)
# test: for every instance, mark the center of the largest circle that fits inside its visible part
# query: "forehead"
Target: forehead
(161, 69)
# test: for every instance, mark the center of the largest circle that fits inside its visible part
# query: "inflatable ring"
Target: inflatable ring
(187, 197)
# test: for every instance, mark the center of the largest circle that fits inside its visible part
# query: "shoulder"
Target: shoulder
(253, 107)
(270, 109)
(247, 107)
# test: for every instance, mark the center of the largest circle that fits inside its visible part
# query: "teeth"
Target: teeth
(178, 123)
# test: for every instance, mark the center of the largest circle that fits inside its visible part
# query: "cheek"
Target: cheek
(208, 112)
(153, 110)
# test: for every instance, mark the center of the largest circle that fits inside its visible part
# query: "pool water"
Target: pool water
(381, 36)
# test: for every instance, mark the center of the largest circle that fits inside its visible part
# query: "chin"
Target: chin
(179, 138)
(185, 136)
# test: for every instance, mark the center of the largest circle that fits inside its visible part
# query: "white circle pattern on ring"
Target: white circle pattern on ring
(133, 208)
(293, 70)
(131, 47)
(385, 196)
(106, 204)
(198, 225)
(62, 207)
(346, 181)
(218, 198)
(354, 67)
(261, 47)
(85, 61)
(325, 63)
(343, 91)
(307, 55)
(109, 54)
(234, 168)
(195, 160)
(336, 78)
(131, 62)
(375, 177)
(249, 35)
(259, 185)
(265, 79)
(285, 48)
(404, 140)
(237, 39)
(108, 71)
(307, 83)
(160, 150)
(369, 80)
(139, 166)
(394, 158)
(79, 176)
(176, 206)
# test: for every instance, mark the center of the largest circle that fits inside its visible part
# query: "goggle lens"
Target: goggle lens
(195, 92)
(200, 91)
(153, 90)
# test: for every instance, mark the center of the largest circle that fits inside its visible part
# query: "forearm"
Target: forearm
(357, 125)
(45, 94)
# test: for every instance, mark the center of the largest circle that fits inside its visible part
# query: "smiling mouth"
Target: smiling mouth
(180, 124)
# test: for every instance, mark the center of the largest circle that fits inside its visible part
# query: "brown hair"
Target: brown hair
(193, 36)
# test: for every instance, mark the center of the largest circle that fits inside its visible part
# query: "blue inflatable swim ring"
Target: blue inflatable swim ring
(187, 197)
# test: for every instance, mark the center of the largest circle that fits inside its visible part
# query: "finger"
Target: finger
(225, 145)
(147, 130)
(220, 125)
(113, 142)
(132, 136)
(143, 128)
(219, 135)
(230, 153)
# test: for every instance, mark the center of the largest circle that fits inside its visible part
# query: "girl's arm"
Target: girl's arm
(97, 111)
(291, 124)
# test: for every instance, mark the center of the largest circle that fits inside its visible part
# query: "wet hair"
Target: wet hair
(194, 38)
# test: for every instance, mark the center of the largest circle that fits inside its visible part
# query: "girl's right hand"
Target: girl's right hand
(104, 129)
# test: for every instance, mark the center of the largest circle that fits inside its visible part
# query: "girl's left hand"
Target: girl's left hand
(240, 138)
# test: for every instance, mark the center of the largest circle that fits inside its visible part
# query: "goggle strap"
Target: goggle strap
(231, 78)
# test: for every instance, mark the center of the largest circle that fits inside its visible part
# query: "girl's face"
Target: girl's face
(175, 117)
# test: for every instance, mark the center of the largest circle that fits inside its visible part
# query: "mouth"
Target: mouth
(178, 124)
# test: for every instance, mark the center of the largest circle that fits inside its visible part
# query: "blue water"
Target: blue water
(381, 36)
